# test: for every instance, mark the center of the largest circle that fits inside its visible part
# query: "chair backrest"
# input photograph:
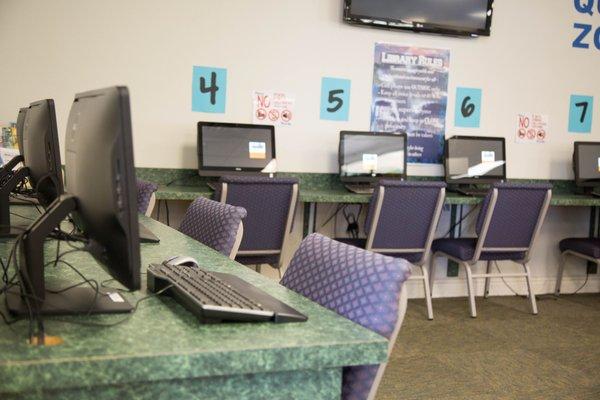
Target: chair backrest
(270, 203)
(214, 224)
(360, 285)
(403, 216)
(145, 196)
(511, 216)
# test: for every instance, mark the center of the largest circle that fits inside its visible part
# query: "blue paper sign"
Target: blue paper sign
(209, 88)
(467, 110)
(335, 99)
(581, 109)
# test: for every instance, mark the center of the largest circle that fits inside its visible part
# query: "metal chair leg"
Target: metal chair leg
(534, 309)
(561, 267)
(486, 292)
(431, 273)
(279, 271)
(427, 292)
(471, 290)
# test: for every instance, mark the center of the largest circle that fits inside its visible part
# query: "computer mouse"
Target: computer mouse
(181, 260)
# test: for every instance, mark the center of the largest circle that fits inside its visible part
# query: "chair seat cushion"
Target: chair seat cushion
(464, 248)
(588, 246)
(361, 243)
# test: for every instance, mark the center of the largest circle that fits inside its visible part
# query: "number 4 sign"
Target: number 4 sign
(580, 114)
(335, 99)
(467, 108)
(209, 86)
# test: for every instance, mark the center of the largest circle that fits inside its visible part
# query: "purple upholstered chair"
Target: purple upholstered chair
(214, 224)
(270, 203)
(145, 196)
(510, 218)
(365, 287)
(586, 248)
(401, 222)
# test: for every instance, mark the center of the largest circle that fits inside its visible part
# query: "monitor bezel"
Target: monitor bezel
(474, 180)
(395, 24)
(369, 177)
(578, 181)
(219, 171)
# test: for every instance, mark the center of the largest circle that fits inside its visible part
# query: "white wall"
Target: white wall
(57, 48)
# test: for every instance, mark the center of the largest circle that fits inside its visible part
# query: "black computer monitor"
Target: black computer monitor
(10, 165)
(475, 159)
(368, 156)
(20, 123)
(586, 164)
(41, 163)
(231, 149)
(101, 197)
(41, 151)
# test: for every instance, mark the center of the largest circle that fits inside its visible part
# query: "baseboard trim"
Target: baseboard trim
(457, 287)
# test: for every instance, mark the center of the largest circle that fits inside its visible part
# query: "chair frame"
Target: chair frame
(422, 263)
(563, 261)
(403, 305)
(288, 226)
(238, 240)
(479, 248)
(151, 204)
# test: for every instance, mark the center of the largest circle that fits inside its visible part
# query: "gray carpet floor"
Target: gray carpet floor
(504, 353)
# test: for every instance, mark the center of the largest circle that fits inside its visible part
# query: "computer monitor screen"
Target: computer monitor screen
(20, 123)
(364, 156)
(100, 174)
(475, 159)
(586, 163)
(41, 151)
(235, 148)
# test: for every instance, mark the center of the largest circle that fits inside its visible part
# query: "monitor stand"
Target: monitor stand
(74, 301)
(34, 298)
(589, 191)
(146, 235)
(469, 190)
(11, 180)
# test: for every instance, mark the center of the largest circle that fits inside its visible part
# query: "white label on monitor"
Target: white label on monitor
(369, 162)
(257, 150)
(116, 297)
(598, 164)
(488, 156)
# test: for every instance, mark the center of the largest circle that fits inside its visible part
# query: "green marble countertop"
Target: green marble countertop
(341, 195)
(162, 341)
(185, 184)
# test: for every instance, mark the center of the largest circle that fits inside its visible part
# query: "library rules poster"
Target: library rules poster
(410, 94)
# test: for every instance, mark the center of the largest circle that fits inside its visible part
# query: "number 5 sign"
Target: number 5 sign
(335, 99)
(467, 108)
(209, 86)
(581, 109)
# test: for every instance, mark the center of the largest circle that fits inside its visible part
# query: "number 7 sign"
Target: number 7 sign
(335, 99)
(581, 109)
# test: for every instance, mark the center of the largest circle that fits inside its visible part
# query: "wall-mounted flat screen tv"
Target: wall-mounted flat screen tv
(455, 17)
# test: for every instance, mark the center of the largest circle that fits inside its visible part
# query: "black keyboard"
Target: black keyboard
(218, 297)
(360, 188)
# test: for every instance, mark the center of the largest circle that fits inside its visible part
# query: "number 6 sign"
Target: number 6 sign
(335, 99)
(467, 108)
